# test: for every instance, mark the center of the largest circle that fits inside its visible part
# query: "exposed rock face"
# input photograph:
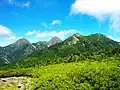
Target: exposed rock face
(54, 41)
(40, 45)
(73, 39)
(18, 50)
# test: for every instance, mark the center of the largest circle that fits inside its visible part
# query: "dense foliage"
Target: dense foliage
(84, 75)
(34, 61)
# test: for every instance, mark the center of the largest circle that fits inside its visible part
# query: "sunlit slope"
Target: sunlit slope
(84, 75)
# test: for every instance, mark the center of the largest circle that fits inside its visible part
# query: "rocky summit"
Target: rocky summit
(53, 41)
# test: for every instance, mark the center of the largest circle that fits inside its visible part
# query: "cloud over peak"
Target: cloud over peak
(100, 9)
(52, 33)
(29, 33)
(7, 34)
(61, 33)
(5, 31)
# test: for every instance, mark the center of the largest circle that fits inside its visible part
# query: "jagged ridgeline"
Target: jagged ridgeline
(75, 44)
(22, 48)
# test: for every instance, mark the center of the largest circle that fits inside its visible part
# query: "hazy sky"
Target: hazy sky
(39, 20)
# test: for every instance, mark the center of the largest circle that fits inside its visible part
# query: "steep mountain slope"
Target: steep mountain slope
(22, 48)
(54, 41)
(41, 45)
(94, 42)
(18, 50)
(101, 41)
(2, 54)
(77, 44)
(73, 39)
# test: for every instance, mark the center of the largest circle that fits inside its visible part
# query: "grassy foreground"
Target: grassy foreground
(78, 76)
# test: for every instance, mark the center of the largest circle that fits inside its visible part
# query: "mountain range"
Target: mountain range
(22, 48)
(74, 44)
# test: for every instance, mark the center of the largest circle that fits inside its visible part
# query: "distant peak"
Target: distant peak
(53, 41)
(77, 35)
(21, 41)
(98, 34)
(55, 38)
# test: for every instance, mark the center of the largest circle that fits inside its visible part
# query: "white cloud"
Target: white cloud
(7, 34)
(61, 33)
(100, 9)
(56, 22)
(12, 38)
(19, 3)
(29, 33)
(5, 31)
(20, 37)
(50, 25)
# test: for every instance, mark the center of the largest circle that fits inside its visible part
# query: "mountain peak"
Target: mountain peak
(55, 38)
(98, 34)
(23, 39)
(21, 42)
(77, 35)
(73, 39)
(53, 41)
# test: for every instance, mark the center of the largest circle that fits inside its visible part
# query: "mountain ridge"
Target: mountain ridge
(20, 49)
(74, 44)
(82, 45)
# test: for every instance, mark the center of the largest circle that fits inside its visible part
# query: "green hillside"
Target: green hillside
(87, 71)
(78, 63)
(75, 45)
(82, 76)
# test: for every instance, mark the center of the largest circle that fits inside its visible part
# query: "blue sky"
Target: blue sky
(40, 20)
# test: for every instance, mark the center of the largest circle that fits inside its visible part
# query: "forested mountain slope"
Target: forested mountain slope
(77, 44)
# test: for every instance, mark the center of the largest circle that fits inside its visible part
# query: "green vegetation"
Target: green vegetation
(87, 71)
(78, 63)
(83, 75)
(40, 60)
